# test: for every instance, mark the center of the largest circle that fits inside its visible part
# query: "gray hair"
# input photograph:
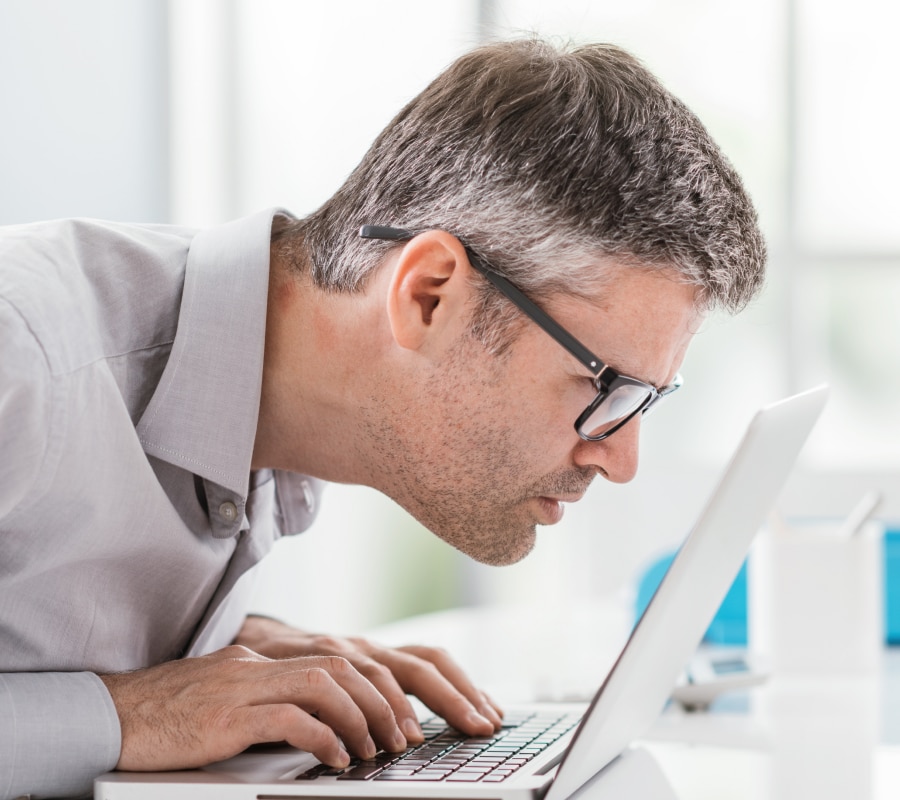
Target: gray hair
(543, 159)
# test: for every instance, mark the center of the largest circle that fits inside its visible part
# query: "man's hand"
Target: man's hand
(196, 711)
(428, 673)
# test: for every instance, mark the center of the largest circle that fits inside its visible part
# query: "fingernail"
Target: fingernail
(399, 741)
(412, 729)
(488, 713)
(370, 749)
(343, 758)
(477, 721)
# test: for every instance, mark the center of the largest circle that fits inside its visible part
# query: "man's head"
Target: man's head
(579, 179)
(541, 159)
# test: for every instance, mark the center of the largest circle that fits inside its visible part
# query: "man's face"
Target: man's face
(491, 450)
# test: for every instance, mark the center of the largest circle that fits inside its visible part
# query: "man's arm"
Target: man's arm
(58, 731)
(321, 694)
(195, 711)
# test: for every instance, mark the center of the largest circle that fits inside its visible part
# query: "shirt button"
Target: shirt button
(309, 499)
(228, 511)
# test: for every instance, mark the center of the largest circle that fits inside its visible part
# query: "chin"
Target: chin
(486, 539)
(498, 552)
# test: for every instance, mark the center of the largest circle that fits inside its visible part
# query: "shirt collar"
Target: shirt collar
(203, 415)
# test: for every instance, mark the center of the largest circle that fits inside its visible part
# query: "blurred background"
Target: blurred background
(198, 111)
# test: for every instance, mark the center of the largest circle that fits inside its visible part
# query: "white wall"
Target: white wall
(83, 110)
(275, 101)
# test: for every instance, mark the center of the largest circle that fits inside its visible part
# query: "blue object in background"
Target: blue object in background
(892, 586)
(729, 626)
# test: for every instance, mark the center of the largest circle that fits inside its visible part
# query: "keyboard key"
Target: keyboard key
(418, 776)
(313, 772)
(396, 771)
(361, 772)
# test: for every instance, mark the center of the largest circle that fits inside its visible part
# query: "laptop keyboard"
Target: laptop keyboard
(448, 755)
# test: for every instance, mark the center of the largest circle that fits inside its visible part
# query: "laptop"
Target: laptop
(545, 750)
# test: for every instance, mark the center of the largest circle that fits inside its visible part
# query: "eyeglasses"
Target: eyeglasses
(619, 398)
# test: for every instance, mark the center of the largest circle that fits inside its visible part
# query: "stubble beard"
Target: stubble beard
(463, 473)
(465, 501)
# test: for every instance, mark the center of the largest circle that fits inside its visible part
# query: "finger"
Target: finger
(285, 722)
(386, 684)
(496, 706)
(354, 711)
(377, 707)
(458, 678)
(422, 678)
(360, 653)
(315, 691)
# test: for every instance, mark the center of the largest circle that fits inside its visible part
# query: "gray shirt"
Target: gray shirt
(130, 374)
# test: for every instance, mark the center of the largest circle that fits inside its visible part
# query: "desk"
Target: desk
(823, 737)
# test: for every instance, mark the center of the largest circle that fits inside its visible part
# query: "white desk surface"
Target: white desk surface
(824, 737)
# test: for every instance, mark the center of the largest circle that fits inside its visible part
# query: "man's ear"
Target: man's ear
(429, 291)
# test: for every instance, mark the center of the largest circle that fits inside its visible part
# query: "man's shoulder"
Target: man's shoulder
(81, 238)
(92, 289)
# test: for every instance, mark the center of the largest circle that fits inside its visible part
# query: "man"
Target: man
(473, 324)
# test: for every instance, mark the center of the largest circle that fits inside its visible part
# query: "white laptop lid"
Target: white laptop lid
(673, 624)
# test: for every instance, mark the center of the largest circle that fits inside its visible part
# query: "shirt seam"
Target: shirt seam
(64, 373)
(168, 451)
(70, 370)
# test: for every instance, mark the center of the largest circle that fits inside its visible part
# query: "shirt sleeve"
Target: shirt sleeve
(58, 731)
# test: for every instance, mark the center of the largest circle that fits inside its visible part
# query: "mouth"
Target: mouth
(551, 509)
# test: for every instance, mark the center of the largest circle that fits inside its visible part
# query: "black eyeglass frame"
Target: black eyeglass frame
(606, 379)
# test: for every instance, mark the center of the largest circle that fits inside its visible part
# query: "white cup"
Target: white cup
(816, 598)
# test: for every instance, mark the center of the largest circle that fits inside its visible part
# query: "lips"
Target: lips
(550, 510)
(565, 498)
(566, 488)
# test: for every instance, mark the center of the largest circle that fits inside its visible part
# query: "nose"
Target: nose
(615, 457)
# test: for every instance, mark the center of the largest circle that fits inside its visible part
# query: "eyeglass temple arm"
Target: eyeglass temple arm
(518, 298)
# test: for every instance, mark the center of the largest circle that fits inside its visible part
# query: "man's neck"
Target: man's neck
(314, 378)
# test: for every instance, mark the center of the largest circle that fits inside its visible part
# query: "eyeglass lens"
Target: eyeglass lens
(614, 409)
